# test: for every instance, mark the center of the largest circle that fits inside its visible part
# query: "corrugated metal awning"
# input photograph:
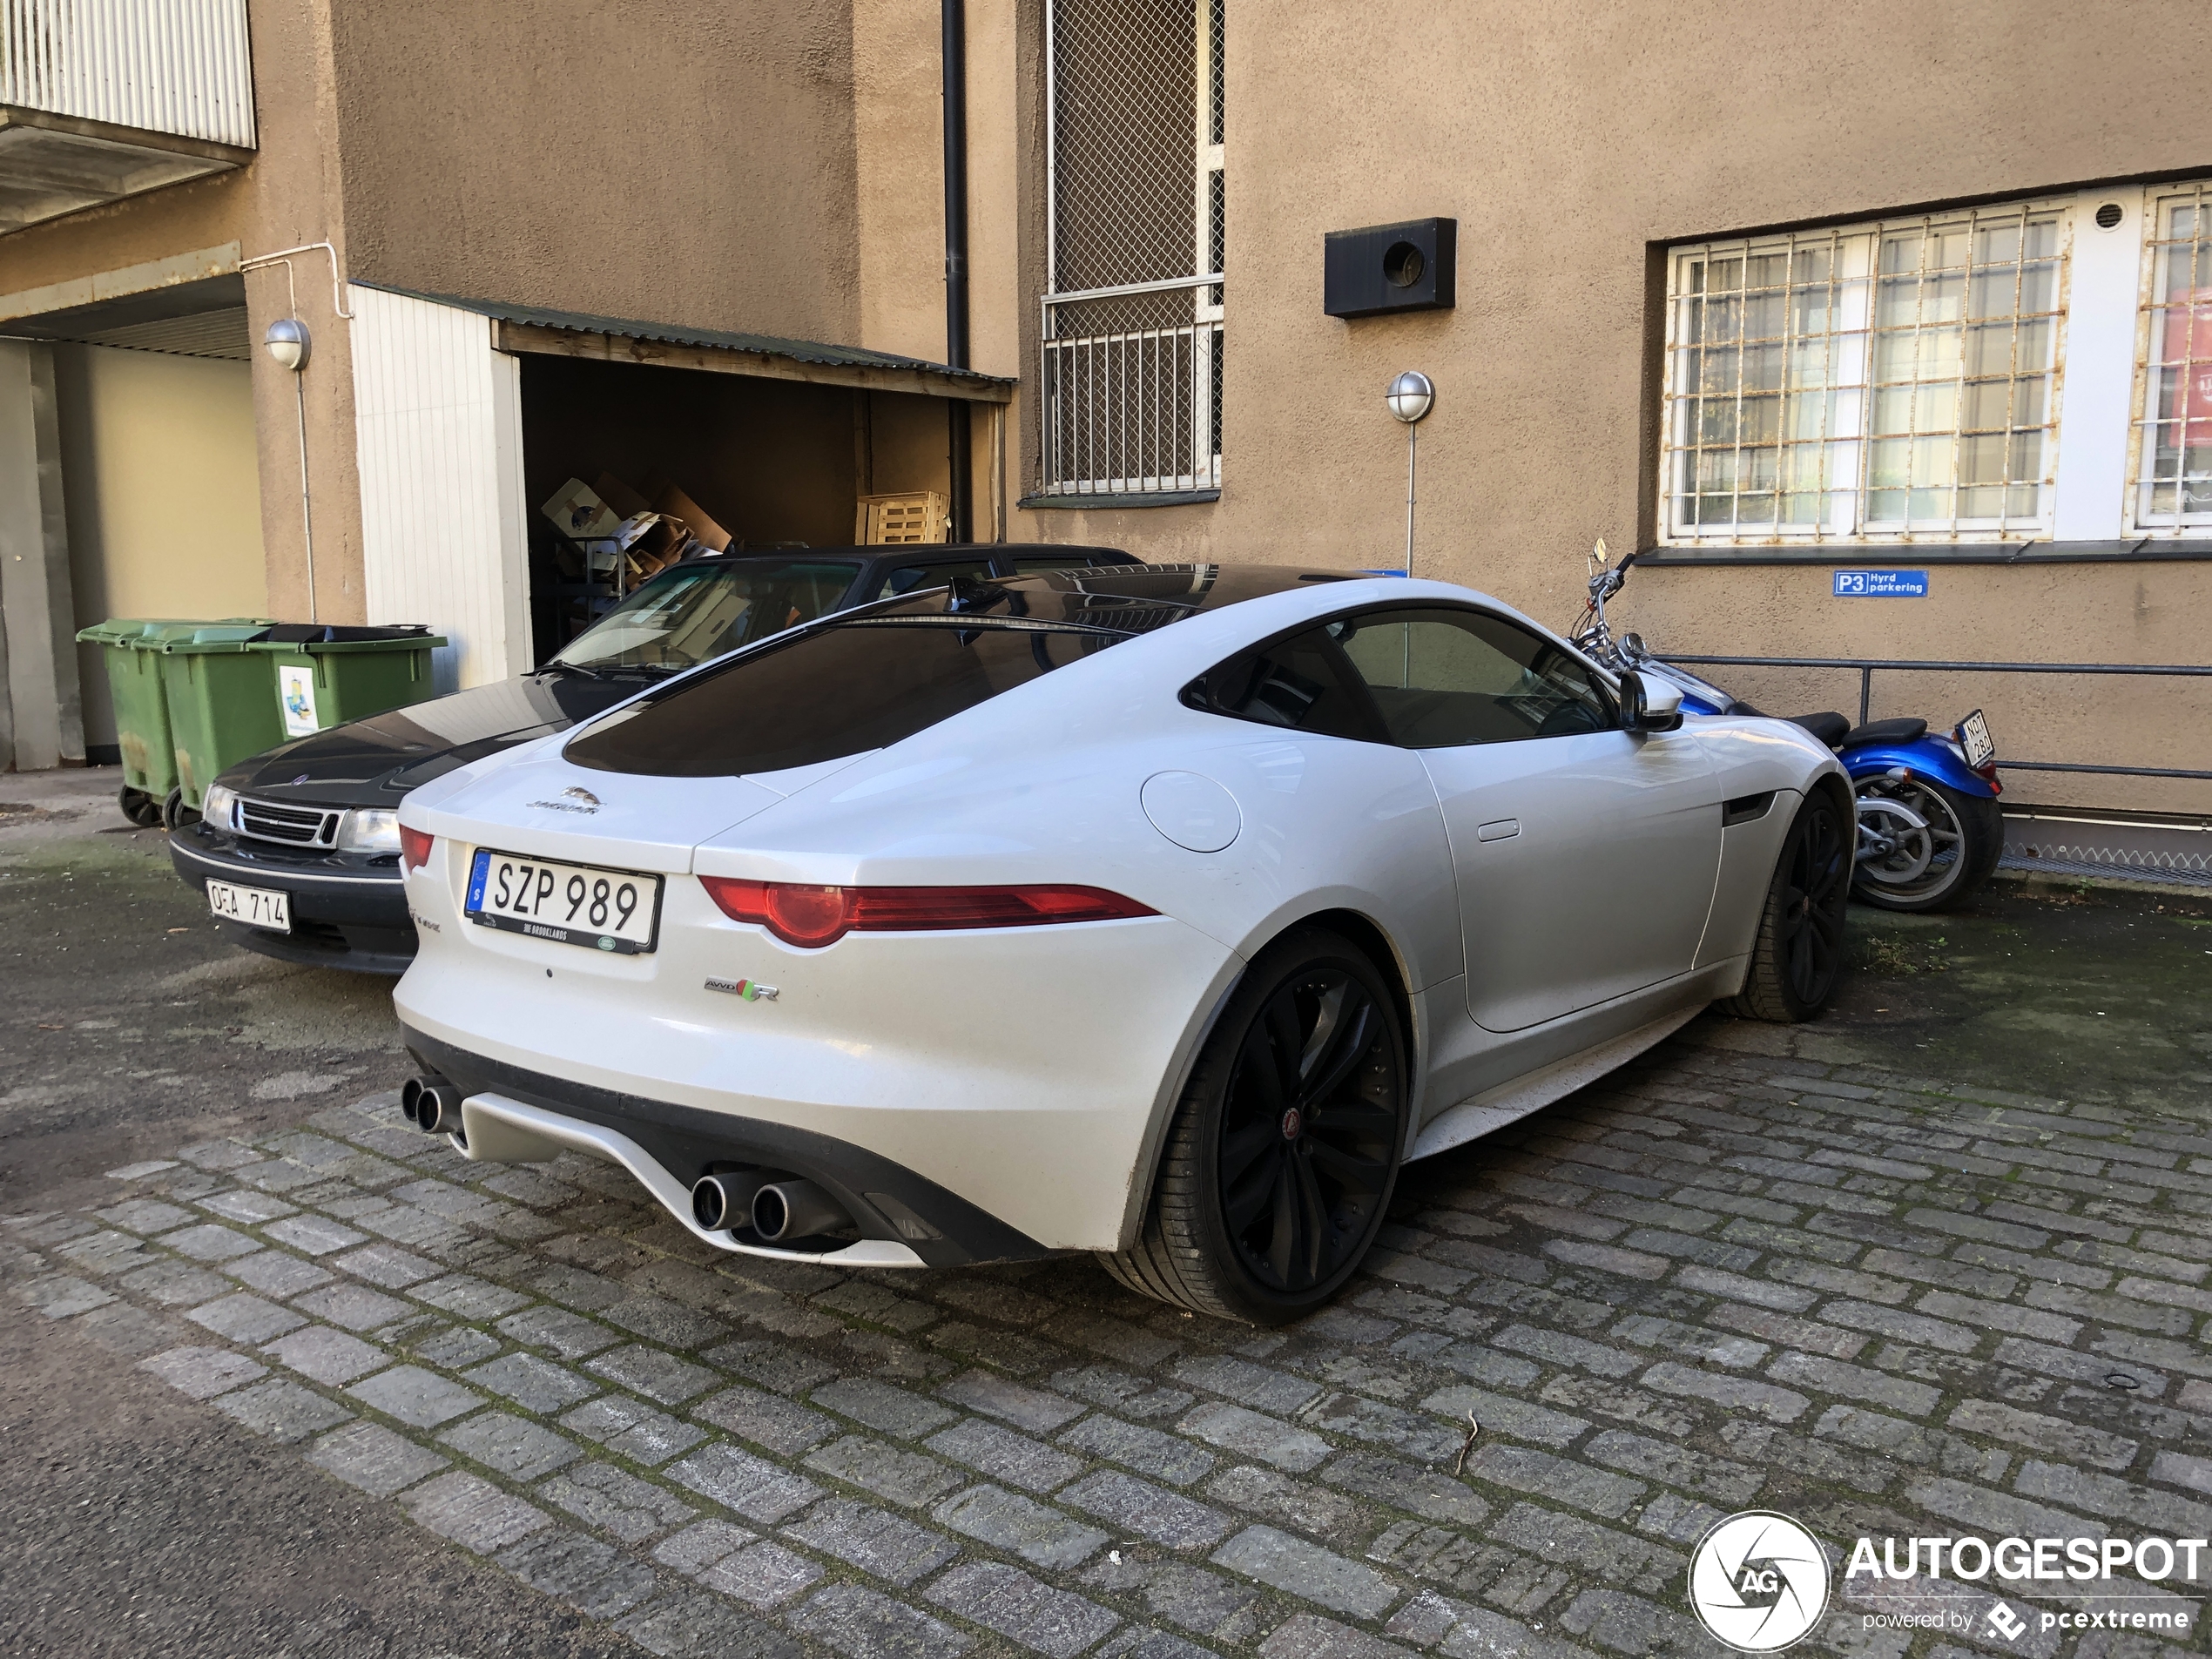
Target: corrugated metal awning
(622, 340)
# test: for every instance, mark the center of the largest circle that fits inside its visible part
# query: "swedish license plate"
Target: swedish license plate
(1973, 736)
(255, 907)
(570, 904)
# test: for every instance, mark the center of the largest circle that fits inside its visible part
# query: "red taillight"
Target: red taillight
(811, 917)
(415, 848)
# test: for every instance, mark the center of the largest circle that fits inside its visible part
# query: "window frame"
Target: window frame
(2138, 520)
(1608, 683)
(1675, 532)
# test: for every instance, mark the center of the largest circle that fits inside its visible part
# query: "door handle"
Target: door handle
(1497, 829)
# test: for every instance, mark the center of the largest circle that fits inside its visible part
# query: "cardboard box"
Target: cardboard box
(626, 501)
(580, 512)
(705, 530)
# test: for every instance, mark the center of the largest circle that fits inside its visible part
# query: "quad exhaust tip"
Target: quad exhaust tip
(795, 1209)
(776, 1209)
(724, 1201)
(432, 1104)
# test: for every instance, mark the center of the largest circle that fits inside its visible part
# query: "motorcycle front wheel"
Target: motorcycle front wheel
(1933, 865)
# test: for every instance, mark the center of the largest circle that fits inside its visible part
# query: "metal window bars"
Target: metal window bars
(1893, 377)
(1132, 393)
(1131, 326)
(2172, 449)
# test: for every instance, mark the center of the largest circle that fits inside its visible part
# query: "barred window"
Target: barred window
(2172, 451)
(1868, 380)
(1131, 346)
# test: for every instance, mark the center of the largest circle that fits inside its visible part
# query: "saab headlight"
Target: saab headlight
(219, 806)
(369, 829)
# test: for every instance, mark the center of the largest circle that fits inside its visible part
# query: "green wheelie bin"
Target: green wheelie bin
(141, 708)
(232, 697)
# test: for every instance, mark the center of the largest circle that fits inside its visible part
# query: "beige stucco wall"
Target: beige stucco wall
(664, 159)
(1570, 140)
(162, 493)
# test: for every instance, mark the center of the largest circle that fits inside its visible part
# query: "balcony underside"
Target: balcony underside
(51, 164)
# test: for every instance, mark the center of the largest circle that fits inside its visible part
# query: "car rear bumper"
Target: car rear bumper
(939, 1227)
(351, 918)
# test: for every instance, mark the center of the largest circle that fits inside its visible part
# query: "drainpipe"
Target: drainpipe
(954, 16)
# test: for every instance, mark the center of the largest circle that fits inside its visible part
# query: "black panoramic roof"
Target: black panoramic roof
(1130, 599)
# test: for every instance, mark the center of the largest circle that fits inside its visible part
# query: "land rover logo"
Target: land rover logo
(1759, 1581)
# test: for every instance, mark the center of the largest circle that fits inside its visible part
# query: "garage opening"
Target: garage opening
(152, 414)
(742, 462)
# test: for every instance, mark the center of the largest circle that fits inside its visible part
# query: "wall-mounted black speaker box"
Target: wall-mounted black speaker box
(1383, 269)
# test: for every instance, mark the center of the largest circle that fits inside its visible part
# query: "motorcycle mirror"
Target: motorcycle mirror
(1649, 703)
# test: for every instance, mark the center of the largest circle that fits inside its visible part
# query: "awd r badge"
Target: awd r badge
(751, 990)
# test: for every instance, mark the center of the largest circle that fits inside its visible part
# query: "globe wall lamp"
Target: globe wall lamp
(287, 340)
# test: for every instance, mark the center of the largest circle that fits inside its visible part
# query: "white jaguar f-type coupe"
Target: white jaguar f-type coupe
(1161, 912)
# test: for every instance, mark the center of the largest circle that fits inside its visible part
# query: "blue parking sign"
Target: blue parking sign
(1881, 584)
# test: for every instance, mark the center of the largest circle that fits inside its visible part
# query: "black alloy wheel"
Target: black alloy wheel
(1279, 1162)
(1798, 955)
(1305, 1155)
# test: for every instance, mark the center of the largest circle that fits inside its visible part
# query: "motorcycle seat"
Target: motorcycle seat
(1829, 728)
(1885, 731)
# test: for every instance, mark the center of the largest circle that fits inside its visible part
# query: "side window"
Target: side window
(1296, 683)
(908, 577)
(1443, 677)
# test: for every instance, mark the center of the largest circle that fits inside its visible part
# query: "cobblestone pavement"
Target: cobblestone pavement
(1717, 1281)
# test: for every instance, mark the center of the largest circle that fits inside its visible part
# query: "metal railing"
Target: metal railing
(1131, 401)
(1867, 667)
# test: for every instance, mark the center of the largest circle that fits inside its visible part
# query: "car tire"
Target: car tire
(1278, 1167)
(1980, 827)
(1797, 956)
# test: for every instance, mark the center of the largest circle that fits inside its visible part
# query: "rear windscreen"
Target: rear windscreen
(822, 696)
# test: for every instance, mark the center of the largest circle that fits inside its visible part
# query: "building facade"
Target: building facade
(1771, 303)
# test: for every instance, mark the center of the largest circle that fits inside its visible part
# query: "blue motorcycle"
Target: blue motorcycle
(1929, 830)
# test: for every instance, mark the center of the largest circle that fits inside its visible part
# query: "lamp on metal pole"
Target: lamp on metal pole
(289, 343)
(1410, 398)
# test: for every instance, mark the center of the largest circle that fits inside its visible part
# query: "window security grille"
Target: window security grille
(1132, 322)
(2173, 470)
(1886, 380)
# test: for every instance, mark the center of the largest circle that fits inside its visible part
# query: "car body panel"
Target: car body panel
(1585, 867)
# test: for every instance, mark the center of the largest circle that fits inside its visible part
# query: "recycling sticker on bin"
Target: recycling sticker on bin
(296, 692)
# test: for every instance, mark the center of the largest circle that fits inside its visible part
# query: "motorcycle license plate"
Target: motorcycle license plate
(570, 904)
(1973, 736)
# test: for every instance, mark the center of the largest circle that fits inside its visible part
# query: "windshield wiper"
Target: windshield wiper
(556, 666)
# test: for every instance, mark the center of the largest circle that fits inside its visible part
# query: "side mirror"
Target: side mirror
(1649, 703)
